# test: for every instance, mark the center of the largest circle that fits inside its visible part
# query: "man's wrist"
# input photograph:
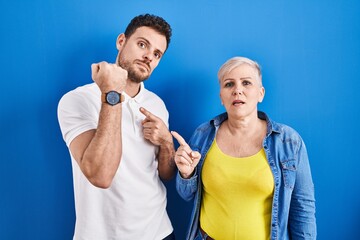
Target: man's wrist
(112, 97)
(167, 142)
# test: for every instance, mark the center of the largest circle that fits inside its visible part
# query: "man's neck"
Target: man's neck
(132, 88)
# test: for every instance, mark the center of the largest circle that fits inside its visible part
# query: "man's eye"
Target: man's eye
(157, 55)
(141, 45)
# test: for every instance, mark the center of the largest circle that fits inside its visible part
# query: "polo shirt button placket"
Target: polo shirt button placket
(135, 119)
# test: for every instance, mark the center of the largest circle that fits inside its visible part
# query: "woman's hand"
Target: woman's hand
(185, 158)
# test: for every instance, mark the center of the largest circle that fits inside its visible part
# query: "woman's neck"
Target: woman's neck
(244, 126)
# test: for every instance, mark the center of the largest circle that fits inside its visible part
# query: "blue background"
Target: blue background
(309, 52)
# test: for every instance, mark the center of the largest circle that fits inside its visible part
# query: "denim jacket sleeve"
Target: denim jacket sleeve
(302, 222)
(187, 187)
(199, 141)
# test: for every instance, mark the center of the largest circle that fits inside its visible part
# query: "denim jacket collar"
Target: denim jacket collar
(271, 126)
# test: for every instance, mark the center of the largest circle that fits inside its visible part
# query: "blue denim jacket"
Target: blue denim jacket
(293, 207)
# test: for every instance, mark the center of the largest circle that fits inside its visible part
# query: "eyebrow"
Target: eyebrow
(148, 42)
(243, 78)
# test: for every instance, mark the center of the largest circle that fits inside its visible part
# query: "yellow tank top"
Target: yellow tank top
(237, 196)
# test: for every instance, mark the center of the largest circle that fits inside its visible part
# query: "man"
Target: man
(117, 134)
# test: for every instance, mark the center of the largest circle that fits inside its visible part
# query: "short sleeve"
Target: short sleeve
(76, 114)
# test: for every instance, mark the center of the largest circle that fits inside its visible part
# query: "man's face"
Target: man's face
(140, 53)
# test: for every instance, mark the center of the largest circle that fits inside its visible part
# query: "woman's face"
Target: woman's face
(241, 91)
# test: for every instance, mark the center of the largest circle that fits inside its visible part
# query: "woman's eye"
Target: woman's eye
(245, 83)
(229, 84)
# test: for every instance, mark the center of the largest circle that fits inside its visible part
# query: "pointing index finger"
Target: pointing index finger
(146, 112)
(179, 138)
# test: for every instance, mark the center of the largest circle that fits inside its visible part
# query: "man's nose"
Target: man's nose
(148, 56)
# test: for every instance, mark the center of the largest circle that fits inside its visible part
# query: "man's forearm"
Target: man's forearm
(101, 158)
(167, 166)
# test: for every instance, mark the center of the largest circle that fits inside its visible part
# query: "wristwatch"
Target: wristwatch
(112, 98)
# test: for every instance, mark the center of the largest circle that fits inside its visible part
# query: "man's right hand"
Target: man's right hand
(186, 159)
(109, 76)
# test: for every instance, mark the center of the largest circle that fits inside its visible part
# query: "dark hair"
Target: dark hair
(152, 21)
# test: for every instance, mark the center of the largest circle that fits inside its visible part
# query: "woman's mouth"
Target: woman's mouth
(238, 103)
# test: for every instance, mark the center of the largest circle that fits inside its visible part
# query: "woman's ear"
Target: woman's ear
(262, 94)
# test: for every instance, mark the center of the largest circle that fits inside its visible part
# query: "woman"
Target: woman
(248, 175)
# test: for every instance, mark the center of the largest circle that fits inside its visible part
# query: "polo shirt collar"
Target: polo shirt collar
(139, 97)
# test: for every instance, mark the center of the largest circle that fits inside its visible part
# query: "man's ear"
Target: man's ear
(120, 41)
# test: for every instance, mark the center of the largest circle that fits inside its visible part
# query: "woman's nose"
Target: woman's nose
(237, 91)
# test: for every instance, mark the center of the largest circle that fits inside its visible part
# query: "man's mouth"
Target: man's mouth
(144, 65)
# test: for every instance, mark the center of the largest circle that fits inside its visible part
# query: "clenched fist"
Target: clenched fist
(109, 76)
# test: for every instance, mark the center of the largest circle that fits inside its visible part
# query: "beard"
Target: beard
(134, 74)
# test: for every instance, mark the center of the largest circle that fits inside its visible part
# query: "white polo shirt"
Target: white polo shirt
(134, 207)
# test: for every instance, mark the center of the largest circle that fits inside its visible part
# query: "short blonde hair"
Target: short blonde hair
(235, 62)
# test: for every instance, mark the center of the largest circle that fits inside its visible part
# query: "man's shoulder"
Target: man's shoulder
(85, 91)
(86, 95)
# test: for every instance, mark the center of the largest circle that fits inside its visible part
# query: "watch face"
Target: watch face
(113, 97)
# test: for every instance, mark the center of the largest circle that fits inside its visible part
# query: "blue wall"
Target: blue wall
(309, 52)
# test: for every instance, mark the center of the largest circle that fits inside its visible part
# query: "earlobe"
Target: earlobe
(120, 41)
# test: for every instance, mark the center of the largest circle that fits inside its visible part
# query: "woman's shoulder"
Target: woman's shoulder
(203, 126)
(212, 123)
(287, 132)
